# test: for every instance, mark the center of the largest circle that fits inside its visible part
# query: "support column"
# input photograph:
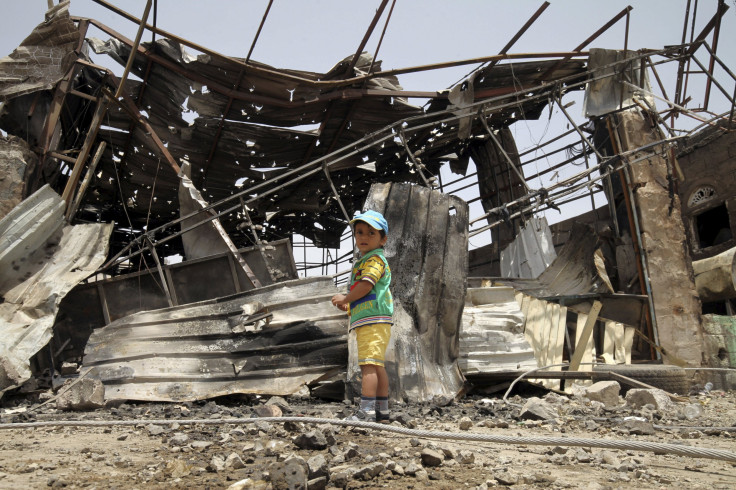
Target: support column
(667, 256)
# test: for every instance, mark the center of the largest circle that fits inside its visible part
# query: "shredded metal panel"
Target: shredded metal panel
(212, 348)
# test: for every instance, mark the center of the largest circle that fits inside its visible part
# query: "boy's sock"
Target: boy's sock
(382, 408)
(367, 404)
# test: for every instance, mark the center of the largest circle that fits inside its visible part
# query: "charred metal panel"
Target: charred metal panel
(427, 251)
(42, 58)
(216, 347)
(100, 302)
(40, 261)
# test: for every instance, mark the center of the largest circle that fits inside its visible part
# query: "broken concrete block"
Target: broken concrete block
(605, 392)
(313, 439)
(537, 409)
(431, 457)
(288, 474)
(637, 398)
(81, 394)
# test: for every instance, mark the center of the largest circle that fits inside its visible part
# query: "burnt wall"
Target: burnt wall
(707, 190)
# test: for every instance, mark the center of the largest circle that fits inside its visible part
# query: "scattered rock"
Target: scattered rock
(537, 409)
(155, 430)
(289, 474)
(465, 457)
(465, 423)
(431, 457)
(638, 427)
(317, 466)
(311, 440)
(233, 462)
(638, 398)
(268, 411)
(605, 392)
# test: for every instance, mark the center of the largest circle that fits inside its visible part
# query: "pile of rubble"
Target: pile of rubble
(150, 444)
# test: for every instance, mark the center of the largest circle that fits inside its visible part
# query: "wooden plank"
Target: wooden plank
(628, 342)
(84, 152)
(585, 336)
(609, 342)
(619, 352)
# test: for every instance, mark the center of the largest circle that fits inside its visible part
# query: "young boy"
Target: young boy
(371, 306)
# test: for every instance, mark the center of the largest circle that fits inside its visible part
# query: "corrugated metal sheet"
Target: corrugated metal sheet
(40, 261)
(531, 252)
(492, 333)
(212, 348)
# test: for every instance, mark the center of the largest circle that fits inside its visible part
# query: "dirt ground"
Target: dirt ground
(174, 455)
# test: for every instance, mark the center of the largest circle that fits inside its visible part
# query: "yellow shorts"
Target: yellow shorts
(372, 343)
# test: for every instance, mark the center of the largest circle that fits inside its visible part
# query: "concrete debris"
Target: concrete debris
(659, 399)
(81, 394)
(605, 392)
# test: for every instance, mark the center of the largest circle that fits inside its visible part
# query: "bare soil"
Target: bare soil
(173, 455)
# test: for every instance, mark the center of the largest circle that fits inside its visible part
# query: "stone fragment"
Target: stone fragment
(317, 483)
(341, 476)
(465, 423)
(638, 398)
(249, 484)
(369, 472)
(582, 456)
(155, 430)
(289, 474)
(431, 458)
(318, 467)
(605, 392)
(537, 409)
(638, 427)
(279, 402)
(233, 462)
(178, 439)
(465, 457)
(268, 411)
(210, 408)
(81, 394)
(311, 440)
(506, 478)
(412, 468)
(217, 464)
(177, 469)
(200, 444)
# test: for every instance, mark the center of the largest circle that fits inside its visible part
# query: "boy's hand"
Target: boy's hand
(340, 300)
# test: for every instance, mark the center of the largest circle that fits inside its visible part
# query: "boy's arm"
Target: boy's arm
(359, 290)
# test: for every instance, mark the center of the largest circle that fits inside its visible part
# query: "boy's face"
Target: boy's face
(367, 238)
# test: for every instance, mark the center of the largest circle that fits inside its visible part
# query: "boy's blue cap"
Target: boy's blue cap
(374, 219)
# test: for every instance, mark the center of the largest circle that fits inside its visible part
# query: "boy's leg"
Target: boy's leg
(382, 414)
(369, 383)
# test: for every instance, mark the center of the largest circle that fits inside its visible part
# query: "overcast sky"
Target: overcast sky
(314, 35)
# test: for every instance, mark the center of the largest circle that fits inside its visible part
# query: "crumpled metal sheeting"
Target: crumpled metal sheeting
(572, 273)
(42, 261)
(42, 58)
(199, 351)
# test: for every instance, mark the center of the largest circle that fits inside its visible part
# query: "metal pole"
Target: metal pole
(134, 49)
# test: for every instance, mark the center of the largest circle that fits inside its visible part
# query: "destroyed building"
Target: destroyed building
(104, 181)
